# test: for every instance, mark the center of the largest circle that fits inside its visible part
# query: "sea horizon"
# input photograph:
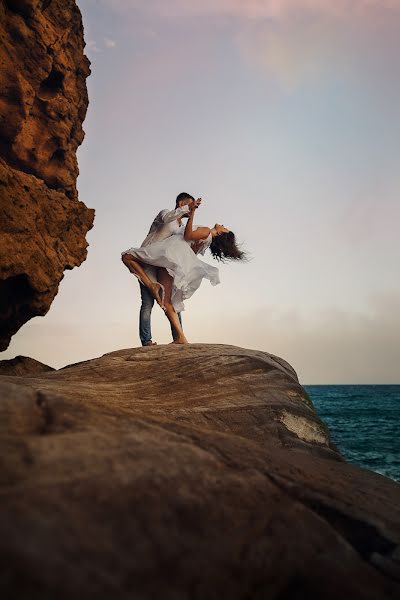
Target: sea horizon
(354, 413)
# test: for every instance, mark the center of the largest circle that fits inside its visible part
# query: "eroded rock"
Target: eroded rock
(168, 472)
(23, 365)
(43, 102)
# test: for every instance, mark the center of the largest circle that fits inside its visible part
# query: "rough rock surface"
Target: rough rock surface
(23, 365)
(176, 472)
(43, 102)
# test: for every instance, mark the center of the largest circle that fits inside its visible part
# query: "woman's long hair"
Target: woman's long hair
(224, 247)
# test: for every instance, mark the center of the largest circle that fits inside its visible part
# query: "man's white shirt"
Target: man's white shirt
(165, 224)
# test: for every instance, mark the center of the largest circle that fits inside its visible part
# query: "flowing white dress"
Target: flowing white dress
(185, 267)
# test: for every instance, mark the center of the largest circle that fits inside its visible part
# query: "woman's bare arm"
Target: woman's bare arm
(201, 233)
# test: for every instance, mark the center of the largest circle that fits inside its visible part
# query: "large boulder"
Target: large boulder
(43, 102)
(174, 472)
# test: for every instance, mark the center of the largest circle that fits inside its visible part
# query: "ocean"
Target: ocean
(364, 422)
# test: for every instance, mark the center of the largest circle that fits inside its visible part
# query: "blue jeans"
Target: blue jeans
(145, 315)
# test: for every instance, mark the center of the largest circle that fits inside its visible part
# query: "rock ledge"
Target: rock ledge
(195, 471)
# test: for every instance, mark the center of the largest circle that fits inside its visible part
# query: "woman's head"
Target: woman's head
(223, 246)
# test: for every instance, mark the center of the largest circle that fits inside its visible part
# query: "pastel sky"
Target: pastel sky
(284, 116)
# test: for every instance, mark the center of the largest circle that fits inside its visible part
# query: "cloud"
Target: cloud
(331, 345)
(92, 46)
(252, 9)
(359, 45)
(291, 52)
(109, 43)
(293, 41)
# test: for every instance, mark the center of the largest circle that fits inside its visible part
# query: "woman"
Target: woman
(180, 271)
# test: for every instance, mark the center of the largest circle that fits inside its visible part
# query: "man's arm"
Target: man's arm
(167, 216)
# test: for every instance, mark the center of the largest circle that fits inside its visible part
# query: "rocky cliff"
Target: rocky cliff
(43, 102)
(176, 472)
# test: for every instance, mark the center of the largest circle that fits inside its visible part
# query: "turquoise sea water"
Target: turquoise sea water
(364, 421)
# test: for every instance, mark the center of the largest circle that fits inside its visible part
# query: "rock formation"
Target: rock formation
(176, 472)
(43, 102)
(23, 365)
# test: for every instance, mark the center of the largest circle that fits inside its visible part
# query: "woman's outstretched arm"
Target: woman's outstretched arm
(201, 233)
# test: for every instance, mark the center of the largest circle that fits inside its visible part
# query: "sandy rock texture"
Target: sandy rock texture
(176, 472)
(43, 102)
(23, 365)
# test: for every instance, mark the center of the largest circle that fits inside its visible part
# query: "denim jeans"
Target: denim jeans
(145, 315)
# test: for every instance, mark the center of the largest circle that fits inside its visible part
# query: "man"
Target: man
(166, 223)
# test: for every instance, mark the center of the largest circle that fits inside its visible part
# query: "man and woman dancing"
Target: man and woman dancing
(168, 267)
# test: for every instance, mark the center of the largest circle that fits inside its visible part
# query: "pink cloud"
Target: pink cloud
(293, 41)
(253, 9)
(355, 44)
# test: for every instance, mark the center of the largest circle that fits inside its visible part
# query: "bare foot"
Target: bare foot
(182, 340)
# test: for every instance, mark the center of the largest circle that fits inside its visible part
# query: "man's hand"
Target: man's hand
(195, 204)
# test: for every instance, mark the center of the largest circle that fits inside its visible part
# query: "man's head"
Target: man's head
(183, 199)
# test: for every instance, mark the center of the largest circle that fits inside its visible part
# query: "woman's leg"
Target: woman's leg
(136, 268)
(172, 329)
(166, 280)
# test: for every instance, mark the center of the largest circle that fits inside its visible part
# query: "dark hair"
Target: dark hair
(224, 247)
(183, 196)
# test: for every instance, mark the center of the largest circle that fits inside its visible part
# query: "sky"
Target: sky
(283, 116)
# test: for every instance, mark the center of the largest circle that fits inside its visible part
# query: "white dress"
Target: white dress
(185, 267)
